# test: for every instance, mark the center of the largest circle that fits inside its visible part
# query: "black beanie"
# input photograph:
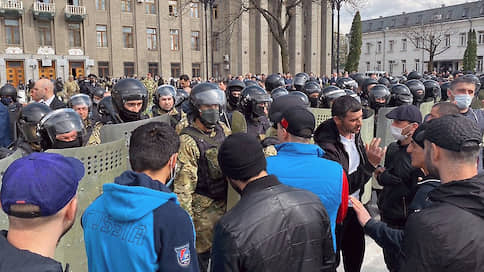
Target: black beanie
(241, 157)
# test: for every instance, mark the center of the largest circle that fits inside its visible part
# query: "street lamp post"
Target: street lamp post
(208, 4)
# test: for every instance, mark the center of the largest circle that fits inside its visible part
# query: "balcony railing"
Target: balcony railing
(40, 7)
(76, 10)
(13, 5)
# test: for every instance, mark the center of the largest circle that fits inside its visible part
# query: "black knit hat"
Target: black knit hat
(241, 157)
(454, 132)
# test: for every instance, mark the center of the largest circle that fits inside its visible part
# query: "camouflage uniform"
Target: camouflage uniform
(151, 86)
(204, 211)
(175, 116)
(93, 131)
(70, 88)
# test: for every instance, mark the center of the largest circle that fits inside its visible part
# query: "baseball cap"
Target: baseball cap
(281, 104)
(298, 121)
(408, 113)
(46, 180)
(453, 132)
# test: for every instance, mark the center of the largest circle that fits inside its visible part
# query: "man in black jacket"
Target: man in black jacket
(448, 236)
(340, 139)
(273, 227)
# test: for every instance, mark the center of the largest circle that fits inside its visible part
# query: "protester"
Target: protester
(39, 195)
(273, 227)
(162, 238)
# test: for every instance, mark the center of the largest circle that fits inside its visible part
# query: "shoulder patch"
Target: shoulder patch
(183, 255)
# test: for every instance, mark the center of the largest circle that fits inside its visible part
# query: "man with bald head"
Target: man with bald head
(43, 92)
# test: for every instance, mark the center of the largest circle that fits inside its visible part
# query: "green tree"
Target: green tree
(355, 44)
(470, 54)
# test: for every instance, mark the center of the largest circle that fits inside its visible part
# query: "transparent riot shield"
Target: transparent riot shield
(320, 115)
(383, 131)
(367, 129)
(115, 132)
(425, 108)
(4, 163)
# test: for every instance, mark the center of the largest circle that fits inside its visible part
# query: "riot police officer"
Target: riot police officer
(279, 91)
(379, 97)
(273, 82)
(313, 91)
(164, 103)
(299, 81)
(304, 98)
(329, 94)
(414, 75)
(400, 95)
(8, 95)
(443, 91)
(200, 186)
(61, 129)
(254, 105)
(418, 91)
(347, 83)
(130, 99)
(234, 88)
(432, 90)
(82, 104)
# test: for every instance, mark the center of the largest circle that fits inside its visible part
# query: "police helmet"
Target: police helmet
(384, 81)
(249, 82)
(274, 81)
(377, 93)
(164, 90)
(400, 95)
(418, 90)
(250, 98)
(346, 83)
(29, 118)
(234, 86)
(414, 75)
(99, 92)
(58, 122)
(329, 94)
(432, 89)
(277, 92)
(125, 90)
(366, 83)
(80, 99)
(353, 94)
(180, 97)
(304, 98)
(443, 91)
(310, 89)
(358, 77)
(299, 80)
(206, 94)
(8, 90)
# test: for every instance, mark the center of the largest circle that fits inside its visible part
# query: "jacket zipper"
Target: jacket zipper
(404, 208)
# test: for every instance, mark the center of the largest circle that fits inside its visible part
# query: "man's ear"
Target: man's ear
(173, 159)
(71, 209)
(436, 152)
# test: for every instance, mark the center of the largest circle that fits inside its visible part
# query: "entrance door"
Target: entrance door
(15, 72)
(76, 69)
(47, 71)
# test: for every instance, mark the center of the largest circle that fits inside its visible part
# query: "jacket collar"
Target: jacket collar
(260, 184)
(300, 149)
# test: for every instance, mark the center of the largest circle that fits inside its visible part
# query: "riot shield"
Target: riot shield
(426, 107)
(102, 164)
(4, 163)
(320, 115)
(367, 135)
(115, 132)
(383, 127)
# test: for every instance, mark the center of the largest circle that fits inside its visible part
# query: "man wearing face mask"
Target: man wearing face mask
(461, 92)
(62, 128)
(200, 185)
(130, 99)
(162, 236)
(254, 105)
(398, 176)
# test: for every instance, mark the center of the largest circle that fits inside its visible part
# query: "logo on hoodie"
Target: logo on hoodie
(183, 255)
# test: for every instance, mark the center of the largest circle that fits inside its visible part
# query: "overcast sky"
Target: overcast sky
(375, 8)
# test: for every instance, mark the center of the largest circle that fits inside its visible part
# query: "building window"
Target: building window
(150, 7)
(378, 47)
(405, 21)
(480, 40)
(12, 31)
(45, 38)
(216, 70)
(465, 12)
(126, 5)
(462, 39)
(128, 36)
(215, 41)
(390, 45)
(74, 31)
(449, 15)
(378, 65)
(404, 44)
(404, 66)
(129, 69)
(174, 39)
(195, 69)
(368, 66)
(417, 65)
(447, 40)
(481, 11)
(196, 40)
(71, 2)
(479, 64)
(194, 8)
(151, 38)
(101, 36)
(215, 12)
(175, 69)
(390, 66)
(103, 69)
(368, 47)
(419, 19)
(100, 4)
(172, 8)
(153, 68)
(417, 43)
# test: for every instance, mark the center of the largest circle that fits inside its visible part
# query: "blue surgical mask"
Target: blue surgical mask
(463, 101)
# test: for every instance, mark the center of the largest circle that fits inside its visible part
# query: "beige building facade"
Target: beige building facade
(52, 38)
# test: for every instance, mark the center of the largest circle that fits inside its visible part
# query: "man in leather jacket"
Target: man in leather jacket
(273, 227)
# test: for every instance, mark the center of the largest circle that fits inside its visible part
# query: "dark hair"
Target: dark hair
(151, 146)
(446, 108)
(343, 105)
(461, 79)
(184, 77)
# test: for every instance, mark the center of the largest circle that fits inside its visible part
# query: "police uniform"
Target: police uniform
(93, 132)
(150, 85)
(70, 88)
(175, 115)
(200, 186)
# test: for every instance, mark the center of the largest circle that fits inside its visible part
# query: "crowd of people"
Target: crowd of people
(298, 184)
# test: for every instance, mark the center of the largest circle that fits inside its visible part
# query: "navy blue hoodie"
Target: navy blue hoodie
(138, 225)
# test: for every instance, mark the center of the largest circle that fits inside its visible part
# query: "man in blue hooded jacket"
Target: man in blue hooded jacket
(301, 164)
(137, 223)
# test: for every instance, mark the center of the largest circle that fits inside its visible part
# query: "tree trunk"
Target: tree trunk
(430, 64)
(284, 56)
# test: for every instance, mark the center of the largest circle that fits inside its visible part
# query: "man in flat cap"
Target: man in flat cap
(448, 236)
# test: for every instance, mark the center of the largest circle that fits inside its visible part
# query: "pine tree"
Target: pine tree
(470, 54)
(355, 44)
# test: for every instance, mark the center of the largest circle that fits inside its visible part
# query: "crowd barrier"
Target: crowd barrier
(114, 132)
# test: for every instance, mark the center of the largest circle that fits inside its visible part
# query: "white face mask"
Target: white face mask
(397, 133)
